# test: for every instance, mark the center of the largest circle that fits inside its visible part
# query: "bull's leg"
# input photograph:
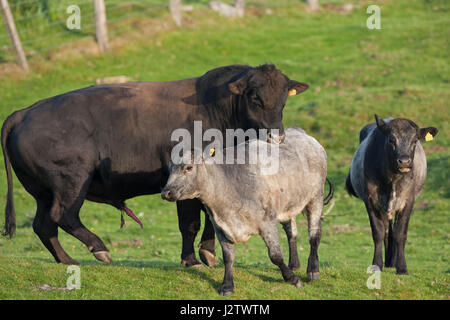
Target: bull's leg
(71, 197)
(206, 252)
(269, 233)
(290, 227)
(47, 231)
(388, 244)
(314, 214)
(378, 234)
(189, 224)
(400, 234)
(227, 286)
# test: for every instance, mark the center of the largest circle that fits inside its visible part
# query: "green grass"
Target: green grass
(401, 70)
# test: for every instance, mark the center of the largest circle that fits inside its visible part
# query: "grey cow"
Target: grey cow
(388, 173)
(243, 201)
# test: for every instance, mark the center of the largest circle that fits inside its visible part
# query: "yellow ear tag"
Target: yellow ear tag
(292, 92)
(212, 151)
(428, 137)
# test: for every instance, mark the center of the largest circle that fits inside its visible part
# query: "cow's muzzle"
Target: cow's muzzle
(169, 195)
(404, 164)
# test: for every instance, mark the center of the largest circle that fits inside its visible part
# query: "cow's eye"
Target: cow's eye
(188, 168)
(392, 140)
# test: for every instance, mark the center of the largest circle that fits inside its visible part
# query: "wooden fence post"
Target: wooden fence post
(240, 6)
(101, 31)
(313, 4)
(176, 10)
(13, 35)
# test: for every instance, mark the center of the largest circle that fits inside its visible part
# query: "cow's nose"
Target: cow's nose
(404, 161)
(166, 194)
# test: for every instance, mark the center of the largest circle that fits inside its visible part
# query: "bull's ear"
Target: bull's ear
(427, 134)
(296, 87)
(238, 86)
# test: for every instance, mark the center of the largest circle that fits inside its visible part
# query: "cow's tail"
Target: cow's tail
(330, 194)
(328, 199)
(10, 215)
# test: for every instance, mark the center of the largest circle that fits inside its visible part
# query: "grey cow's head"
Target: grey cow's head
(402, 136)
(183, 180)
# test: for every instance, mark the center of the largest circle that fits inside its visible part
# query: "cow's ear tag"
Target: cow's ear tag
(292, 92)
(212, 151)
(428, 137)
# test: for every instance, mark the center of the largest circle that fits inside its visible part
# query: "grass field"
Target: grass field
(401, 70)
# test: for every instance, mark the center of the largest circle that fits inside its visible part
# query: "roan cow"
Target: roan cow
(242, 200)
(388, 173)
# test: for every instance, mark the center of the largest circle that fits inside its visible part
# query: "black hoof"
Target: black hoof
(313, 276)
(191, 262)
(225, 291)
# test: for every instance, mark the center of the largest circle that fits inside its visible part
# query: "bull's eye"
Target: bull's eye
(256, 101)
(188, 168)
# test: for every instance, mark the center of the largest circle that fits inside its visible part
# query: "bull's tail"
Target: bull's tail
(10, 215)
(327, 199)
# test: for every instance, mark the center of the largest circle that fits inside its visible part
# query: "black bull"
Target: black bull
(110, 143)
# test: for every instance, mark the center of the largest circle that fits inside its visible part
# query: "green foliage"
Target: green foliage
(401, 70)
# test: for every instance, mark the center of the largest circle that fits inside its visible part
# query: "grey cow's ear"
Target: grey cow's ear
(427, 134)
(238, 86)
(380, 124)
(379, 121)
(296, 87)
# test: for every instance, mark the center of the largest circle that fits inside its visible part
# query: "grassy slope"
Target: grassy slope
(401, 70)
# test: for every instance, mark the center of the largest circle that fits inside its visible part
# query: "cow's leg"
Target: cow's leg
(400, 234)
(269, 233)
(206, 252)
(290, 227)
(314, 215)
(227, 286)
(388, 244)
(378, 234)
(189, 224)
(47, 230)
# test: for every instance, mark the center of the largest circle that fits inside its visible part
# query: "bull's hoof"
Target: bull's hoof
(402, 272)
(189, 263)
(103, 256)
(207, 257)
(313, 276)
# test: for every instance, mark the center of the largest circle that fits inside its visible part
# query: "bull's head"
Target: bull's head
(401, 137)
(264, 91)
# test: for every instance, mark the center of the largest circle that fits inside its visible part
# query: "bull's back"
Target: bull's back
(116, 132)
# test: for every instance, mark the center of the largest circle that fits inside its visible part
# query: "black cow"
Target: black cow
(388, 173)
(109, 143)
